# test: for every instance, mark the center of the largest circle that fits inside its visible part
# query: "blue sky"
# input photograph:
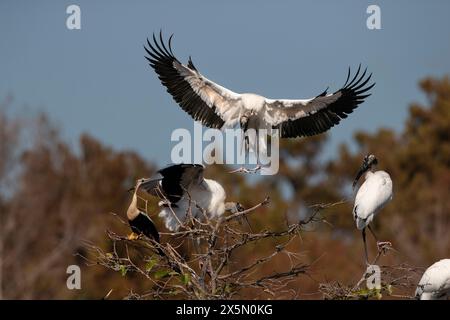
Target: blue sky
(96, 79)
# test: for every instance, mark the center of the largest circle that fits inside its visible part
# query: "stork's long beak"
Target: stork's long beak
(365, 166)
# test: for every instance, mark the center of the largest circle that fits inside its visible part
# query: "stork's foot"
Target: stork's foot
(245, 170)
(383, 246)
(133, 236)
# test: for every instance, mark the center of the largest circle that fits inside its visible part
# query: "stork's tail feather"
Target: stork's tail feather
(360, 222)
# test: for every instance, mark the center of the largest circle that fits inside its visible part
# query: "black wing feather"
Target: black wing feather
(161, 59)
(172, 181)
(352, 94)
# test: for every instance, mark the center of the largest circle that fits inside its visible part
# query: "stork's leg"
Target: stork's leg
(255, 169)
(258, 164)
(381, 245)
(373, 233)
(365, 246)
(246, 147)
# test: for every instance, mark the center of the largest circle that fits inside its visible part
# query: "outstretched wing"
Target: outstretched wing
(206, 101)
(296, 118)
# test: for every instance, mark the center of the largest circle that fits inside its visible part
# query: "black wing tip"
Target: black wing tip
(359, 81)
(324, 93)
(157, 47)
(322, 121)
(191, 64)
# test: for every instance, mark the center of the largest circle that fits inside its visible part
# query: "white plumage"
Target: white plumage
(435, 282)
(183, 190)
(207, 198)
(372, 196)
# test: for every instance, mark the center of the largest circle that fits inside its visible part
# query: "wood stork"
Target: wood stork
(218, 107)
(182, 188)
(139, 221)
(372, 196)
(435, 282)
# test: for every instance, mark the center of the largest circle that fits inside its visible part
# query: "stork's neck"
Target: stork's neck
(133, 210)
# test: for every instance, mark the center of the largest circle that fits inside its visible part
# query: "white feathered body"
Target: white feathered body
(435, 282)
(255, 104)
(209, 195)
(372, 196)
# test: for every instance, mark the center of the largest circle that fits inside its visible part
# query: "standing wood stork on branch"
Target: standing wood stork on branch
(218, 107)
(183, 189)
(435, 282)
(372, 196)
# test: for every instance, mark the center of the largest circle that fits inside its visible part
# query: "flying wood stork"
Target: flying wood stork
(435, 282)
(218, 107)
(372, 196)
(139, 221)
(183, 189)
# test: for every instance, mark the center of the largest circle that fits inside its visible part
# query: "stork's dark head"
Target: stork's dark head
(368, 162)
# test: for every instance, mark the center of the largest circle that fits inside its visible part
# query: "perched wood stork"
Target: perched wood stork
(218, 107)
(435, 282)
(139, 221)
(182, 188)
(372, 196)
